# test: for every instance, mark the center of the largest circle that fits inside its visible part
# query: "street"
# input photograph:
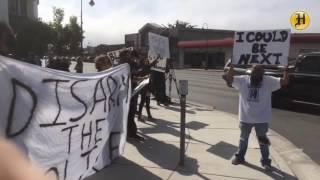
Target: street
(207, 87)
(302, 129)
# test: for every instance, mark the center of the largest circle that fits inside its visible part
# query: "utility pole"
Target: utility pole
(92, 3)
(207, 48)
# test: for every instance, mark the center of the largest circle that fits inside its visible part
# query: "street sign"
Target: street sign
(183, 87)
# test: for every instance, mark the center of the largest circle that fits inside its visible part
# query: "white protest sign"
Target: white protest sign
(71, 125)
(159, 48)
(261, 47)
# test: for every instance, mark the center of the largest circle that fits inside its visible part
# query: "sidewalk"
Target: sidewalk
(212, 139)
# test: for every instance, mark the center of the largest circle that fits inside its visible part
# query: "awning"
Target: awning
(228, 42)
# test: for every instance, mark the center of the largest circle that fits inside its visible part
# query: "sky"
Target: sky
(109, 20)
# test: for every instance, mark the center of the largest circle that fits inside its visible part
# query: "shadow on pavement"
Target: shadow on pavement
(166, 156)
(195, 125)
(177, 109)
(224, 150)
(126, 170)
(275, 173)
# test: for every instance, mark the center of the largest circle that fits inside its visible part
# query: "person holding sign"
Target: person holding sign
(255, 108)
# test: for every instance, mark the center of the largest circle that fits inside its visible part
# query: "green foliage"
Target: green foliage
(181, 25)
(32, 36)
(68, 37)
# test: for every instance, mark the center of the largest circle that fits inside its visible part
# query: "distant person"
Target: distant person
(145, 93)
(131, 58)
(255, 108)
(102, 63)
(7, 39)
(158, 81)
(79, 65)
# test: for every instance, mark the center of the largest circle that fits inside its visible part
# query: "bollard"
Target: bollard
(183, 84)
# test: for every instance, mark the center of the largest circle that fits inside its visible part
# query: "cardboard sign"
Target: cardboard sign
(159, 48)
(71, 125)
(261, 47)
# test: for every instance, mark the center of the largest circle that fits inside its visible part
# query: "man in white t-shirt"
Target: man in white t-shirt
(255, 93)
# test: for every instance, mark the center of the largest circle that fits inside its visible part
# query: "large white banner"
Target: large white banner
(159, 49)
(71, 125)
(261, 47)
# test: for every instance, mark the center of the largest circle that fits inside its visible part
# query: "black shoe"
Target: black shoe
(137, 137)
(267, 167)
(237, 161)
(141, 119)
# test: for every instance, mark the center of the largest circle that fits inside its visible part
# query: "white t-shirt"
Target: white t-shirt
(255, 103)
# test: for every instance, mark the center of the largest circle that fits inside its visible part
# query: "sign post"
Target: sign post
(183, 84)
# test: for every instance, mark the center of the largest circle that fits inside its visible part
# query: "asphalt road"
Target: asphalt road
(301, 128)
(207, 87)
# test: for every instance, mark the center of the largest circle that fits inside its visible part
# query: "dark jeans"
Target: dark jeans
(261, 131)
(158, 83)
(132, 126)
(145, 99)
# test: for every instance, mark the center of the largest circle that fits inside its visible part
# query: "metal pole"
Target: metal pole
(81, 23)
(170, 83)
(184, 91)
(182, 129)
(207, 48)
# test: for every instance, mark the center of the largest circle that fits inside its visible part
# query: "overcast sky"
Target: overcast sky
(109, 20)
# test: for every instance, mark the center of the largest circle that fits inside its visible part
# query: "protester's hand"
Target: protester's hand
(13, 166)
(285, 79)
(231, 67)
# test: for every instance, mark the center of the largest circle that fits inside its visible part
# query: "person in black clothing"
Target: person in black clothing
(79, 65)
(130, 58)
(146, 91)
(7, 39)
(158, 81)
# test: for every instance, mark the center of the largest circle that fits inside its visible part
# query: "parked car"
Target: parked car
(304, 85)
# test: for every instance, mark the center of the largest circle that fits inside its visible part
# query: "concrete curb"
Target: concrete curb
(209, 70)
(300, 164)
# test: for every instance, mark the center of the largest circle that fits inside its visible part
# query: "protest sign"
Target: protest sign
(116, 53)
(71, 125)
(261, 47)
(159, 49)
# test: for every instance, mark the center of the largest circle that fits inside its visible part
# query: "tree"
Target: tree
(58, 16)
(74, 35)
(32, 36)
(181, 25)
(68, 37)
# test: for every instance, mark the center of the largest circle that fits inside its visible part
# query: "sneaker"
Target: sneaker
(237, 161)
(267, 167)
